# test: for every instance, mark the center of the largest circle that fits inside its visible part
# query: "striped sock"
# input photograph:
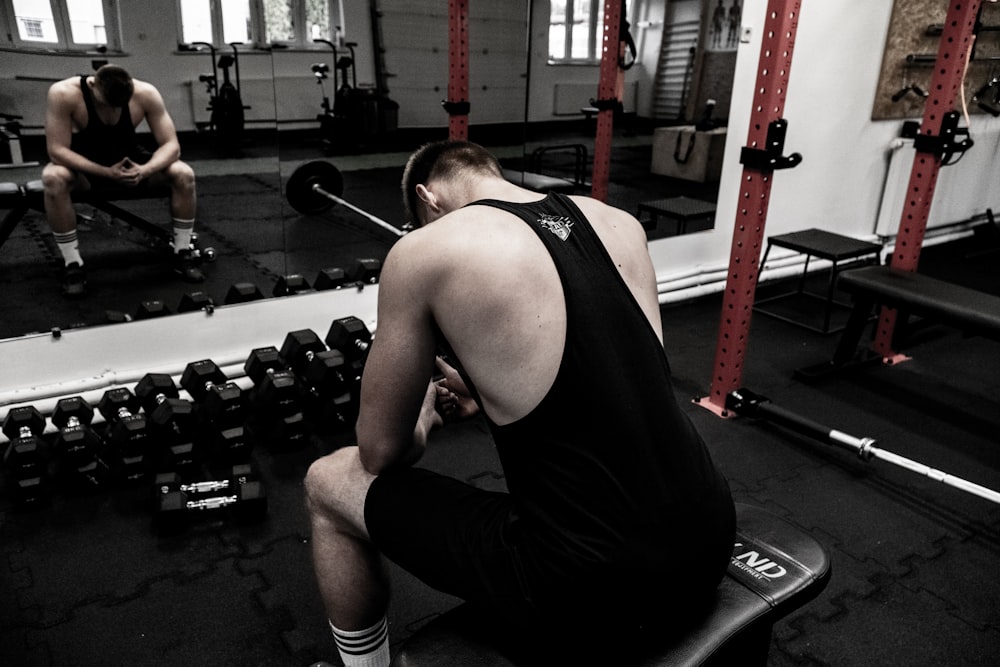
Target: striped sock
(182, 233)
(363, 648)
(69, 247)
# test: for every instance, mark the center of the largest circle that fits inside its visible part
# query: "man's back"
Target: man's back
(497, 297)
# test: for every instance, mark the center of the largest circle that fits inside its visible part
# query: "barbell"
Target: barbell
(316, 187)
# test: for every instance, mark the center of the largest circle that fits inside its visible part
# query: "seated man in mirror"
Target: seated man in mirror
(90, 135)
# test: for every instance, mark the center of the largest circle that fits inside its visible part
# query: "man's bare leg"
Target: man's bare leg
(58, 183)
(351, 574)
(183, 206)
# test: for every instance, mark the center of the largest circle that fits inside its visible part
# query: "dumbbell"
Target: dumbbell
(175, 504)
(78, 447)
(221, 407)
(173, 419)
(331, 402)
(127, 435)
(350, 336)
(25, 458)
(276, 399)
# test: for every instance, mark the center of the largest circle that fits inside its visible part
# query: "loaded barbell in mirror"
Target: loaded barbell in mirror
(318, 186)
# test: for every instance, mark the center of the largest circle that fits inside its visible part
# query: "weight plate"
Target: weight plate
(299, 189)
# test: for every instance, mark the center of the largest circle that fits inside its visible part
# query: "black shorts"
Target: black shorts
(454, 537)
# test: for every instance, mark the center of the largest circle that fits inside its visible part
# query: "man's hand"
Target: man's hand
(454, 400)
(126, 173)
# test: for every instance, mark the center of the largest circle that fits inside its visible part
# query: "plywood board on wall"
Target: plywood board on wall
(909, 39)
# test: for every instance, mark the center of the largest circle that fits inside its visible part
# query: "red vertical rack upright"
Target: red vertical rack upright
(457, 105)
(932, 141)
(760, 158)
(609, 96)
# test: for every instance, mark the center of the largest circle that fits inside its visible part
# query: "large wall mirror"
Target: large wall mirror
(533, 71)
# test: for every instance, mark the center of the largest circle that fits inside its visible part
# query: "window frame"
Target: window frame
(64, 31)
(595, 44)
(258, 24)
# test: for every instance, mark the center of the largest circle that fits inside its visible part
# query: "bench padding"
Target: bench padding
(775, 569)
(917, 294)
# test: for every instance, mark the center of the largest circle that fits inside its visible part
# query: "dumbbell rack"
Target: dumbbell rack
(41, 369)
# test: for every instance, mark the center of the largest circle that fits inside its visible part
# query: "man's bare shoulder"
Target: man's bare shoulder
(67, 90)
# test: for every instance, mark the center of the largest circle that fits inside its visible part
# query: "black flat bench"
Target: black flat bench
(775, 569)
(539, 182)
(679, 210)
(910, 293)
(19, 200)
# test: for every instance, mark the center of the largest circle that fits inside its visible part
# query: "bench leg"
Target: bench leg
(849, 340)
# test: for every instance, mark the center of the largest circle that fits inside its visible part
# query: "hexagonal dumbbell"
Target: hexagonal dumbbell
(221, 407)
(240, 495)
(277, 400)
(326, 377)
(78, 447)
(25, 459)
(173, 420)
(127, 435)
(350, 336)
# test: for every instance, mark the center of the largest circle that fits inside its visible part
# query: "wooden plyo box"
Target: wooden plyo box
(684, 152)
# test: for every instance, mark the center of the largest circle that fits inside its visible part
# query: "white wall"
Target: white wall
(838, 186)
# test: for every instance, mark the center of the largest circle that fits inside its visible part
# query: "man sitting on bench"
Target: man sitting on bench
(617, 527)
(90, 134)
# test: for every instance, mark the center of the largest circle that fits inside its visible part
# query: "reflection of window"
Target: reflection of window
(32, 29)
(575, 28)
(289, 22)
(71, 24)
(216, 21)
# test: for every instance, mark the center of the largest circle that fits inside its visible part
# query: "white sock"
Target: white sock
(69, 247)
(363, 648)
(182, 234)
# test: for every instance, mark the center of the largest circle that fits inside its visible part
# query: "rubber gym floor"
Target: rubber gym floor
(915, 564)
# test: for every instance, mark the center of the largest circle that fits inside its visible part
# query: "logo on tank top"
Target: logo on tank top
(557, 224)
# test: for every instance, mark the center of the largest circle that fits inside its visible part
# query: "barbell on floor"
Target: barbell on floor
(316, 187)
(746, 403)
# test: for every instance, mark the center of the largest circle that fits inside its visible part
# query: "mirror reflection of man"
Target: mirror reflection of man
(90, 124)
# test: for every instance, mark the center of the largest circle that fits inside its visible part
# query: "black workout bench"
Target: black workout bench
(534, 179)
(910, 293)
(19, 200)
(775, 569)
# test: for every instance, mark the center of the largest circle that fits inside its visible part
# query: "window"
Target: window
(287, 22)
(575, 31)
(68, 24)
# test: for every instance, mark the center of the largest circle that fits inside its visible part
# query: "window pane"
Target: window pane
(34, 21)
(557, 30)
(318, 19)
(236, 21)
(279, 25)
(581, 29)
(196, 21)
(86, 19)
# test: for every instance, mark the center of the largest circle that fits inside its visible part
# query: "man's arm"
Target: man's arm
(397, 399)
(59, 132)
(168, 148)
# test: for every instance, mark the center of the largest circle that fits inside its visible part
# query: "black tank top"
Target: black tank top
(104, 144)
(607, 472)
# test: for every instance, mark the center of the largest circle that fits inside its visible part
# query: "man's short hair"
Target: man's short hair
(442, 160)
(115, 84)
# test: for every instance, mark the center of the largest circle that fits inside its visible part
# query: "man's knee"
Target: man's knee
(181, 176)
(57, 180)
(336, 486)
